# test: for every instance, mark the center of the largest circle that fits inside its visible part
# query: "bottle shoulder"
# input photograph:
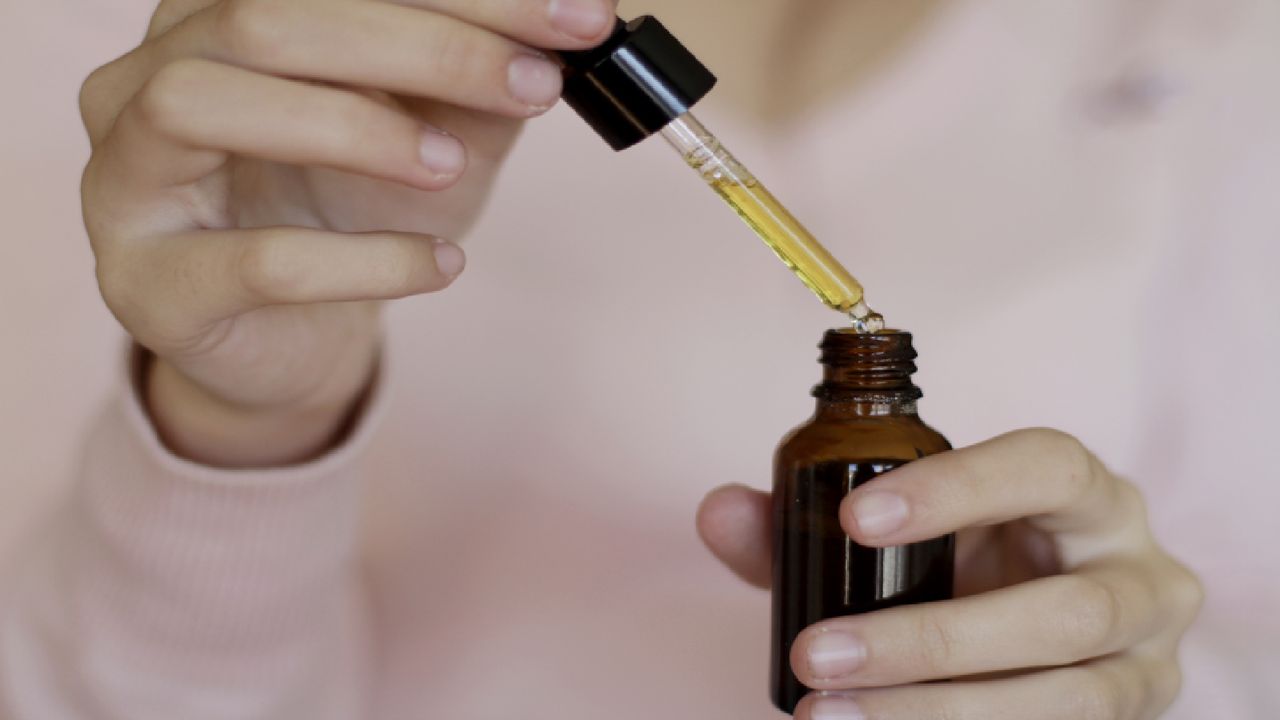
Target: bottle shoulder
(894, 437)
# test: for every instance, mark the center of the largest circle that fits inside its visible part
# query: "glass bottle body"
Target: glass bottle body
(818, 571)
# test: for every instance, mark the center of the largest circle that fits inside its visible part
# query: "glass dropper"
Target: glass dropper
(794, 245)
(642, 81)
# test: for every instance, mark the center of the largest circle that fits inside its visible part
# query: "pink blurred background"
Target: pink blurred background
(1123, 185)
(61, 345)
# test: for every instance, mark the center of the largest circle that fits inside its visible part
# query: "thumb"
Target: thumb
(735, 522)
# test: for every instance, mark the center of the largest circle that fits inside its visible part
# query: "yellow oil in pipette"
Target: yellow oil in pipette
(792, 243)
(780, 230)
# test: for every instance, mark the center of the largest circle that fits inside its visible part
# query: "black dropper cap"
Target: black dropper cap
(634, 84)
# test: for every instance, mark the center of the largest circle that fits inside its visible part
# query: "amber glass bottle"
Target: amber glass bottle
(865, 424)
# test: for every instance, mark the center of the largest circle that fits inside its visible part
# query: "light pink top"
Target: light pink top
(1072, 205)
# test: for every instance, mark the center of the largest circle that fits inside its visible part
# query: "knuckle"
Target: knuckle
(351, 126)
(1082, 468)
(1081, 472)
(163, 103)
(116, 291)
(394, 274)
(938, 641)
(251, 29)
(1092, 615)
(103, 92)
(1129, 498)
(452, 49)
(170, 13)
(1099, 696)
(265, 271)
(91, 200)
(964, 471)
(461, 56)
(94, 91)
(1142, 687)
(1167, 684)
(1186, 593)
(132, 301)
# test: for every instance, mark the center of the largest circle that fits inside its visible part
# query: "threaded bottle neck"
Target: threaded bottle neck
(868, 369)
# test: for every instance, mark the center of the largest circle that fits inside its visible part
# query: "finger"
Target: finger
(1128, 687)
(735, 523)
(1056, 620)
(190, 116)
(172, 287)
(1043, 475)
(171, 12)
(399, 49)
(552, 24)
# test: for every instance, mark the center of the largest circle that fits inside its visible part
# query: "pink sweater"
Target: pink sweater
(1076, 214)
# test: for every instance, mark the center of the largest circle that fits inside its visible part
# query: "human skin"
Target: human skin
(235, 138)
(253, 196)
(1066, 607)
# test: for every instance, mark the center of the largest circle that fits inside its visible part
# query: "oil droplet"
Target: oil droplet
(865, 320)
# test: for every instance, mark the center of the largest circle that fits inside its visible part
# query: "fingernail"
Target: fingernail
(582, 19)
(441, 153)
(835, 707)
(449, 258)
(879, 513)
(534, 81)
(835, 653)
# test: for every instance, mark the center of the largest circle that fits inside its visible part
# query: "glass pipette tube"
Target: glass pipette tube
(780, 230)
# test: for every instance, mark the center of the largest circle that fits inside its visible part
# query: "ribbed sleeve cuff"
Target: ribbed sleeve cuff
(221, 554)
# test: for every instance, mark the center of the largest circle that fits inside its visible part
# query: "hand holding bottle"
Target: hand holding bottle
(264, 171)
(1067, 606)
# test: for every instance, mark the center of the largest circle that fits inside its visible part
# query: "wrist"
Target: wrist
(204, 428)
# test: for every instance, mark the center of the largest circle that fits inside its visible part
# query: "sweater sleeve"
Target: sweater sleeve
(166, 589)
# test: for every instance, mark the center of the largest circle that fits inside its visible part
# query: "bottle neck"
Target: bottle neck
(867, 375)
(829, 410)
